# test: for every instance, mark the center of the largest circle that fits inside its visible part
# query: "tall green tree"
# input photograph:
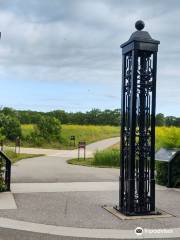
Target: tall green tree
(160, 120)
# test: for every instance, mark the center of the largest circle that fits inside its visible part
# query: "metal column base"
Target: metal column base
(147, 213)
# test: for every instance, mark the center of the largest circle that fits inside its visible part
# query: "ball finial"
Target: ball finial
(139, 25)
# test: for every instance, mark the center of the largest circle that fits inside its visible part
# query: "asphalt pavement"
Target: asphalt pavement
(56, 200)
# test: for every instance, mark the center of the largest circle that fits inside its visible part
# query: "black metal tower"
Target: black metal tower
(137, 183)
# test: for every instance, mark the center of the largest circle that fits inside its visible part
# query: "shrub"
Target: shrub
(47, 129)
(109, 157)
(10, 126)
(162, 172)
(168, 137)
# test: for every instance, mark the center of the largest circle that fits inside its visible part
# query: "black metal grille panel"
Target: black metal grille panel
(137, 133)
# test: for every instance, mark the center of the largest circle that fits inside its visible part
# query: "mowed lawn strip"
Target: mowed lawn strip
(14, 157)
(88, 162)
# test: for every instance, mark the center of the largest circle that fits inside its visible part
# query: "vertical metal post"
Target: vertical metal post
(8, 175)
(121, 178)
(138, 101)
(142, 140)
(78, 152)
(153, 119)
(2, 145)
(169, 174)
(6, 165)
(131, 159)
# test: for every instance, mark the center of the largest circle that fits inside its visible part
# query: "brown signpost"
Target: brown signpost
(2, 144)
(17, 144)
(82, 145)
(73, 138)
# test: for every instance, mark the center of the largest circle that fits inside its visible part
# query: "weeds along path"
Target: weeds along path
(54, 168)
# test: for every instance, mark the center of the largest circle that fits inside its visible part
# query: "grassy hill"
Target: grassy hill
(168, 137)
(88, 133)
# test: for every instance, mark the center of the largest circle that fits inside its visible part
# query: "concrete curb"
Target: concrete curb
(7, 201)
(86, 232)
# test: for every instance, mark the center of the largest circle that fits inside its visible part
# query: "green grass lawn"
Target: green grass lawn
(165, 136)
(88, 162)
(88, 133)
(14, 157)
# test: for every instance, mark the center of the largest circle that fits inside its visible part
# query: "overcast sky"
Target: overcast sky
(57, 54)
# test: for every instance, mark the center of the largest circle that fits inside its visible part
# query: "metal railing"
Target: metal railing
(5, 172)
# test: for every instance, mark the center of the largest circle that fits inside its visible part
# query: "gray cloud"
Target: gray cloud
(78, 40)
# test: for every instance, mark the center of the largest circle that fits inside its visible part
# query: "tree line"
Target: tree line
(93, 117)
(47, 125)
(168, 121)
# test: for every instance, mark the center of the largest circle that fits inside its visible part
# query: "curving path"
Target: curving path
(54, 168)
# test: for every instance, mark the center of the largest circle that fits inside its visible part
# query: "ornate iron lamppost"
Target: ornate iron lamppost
(137, 183)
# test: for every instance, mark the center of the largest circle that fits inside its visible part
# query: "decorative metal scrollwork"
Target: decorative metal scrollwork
(142, 89)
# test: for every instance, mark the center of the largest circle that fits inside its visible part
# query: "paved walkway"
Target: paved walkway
(56, 200)
(75, 210)
(90, 149)
(54, 167)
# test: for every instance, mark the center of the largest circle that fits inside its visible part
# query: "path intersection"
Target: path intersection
(54, 200)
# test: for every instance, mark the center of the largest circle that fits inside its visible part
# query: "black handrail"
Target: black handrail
(7, 175)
